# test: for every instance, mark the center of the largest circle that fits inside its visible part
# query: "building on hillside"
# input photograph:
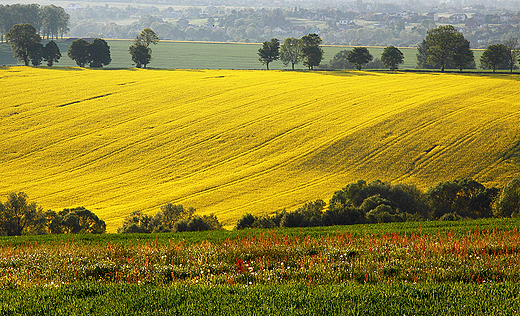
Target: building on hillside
(458, 18)
(74, 7)
(433, 16)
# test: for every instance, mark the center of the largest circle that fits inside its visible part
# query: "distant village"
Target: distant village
(357, 23)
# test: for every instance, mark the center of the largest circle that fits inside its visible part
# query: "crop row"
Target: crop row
(480, 256)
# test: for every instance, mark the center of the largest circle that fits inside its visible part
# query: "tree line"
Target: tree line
(18, 216)
(358, 203)
(171, 218)
(27, 47)
(443, 48)
(307, 50)
(50, 21)
(380, 202)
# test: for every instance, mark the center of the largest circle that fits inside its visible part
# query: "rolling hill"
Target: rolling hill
(235, 141)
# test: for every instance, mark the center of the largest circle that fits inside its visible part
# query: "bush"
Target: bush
(465, 197)
(307, 215)
(246, 221)
(171, 218)
(382, 214)
(343, 216)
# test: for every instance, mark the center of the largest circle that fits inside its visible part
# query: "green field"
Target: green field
(198, 55)
(386, 299)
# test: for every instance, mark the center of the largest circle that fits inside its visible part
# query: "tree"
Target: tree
(246, 221)
(36, 51)
(51, 53)
(422, 56)
(514, 51)
(439, 46)
(392, 57)
(339, 61)
(290, 51)
(359, 56)
(23, 39)
(141, 55)
(136, 222)
(140, 51)
(54, 19)
(464, 197)
(462, 55)
(80, 220)
(508, 204)
(99, 53)
(311, 52)
(96, 54)
(269, 52)
(494, 56)
(79, 52)
(169, 214)
(52, 223)
(171, 218)
(147, 37)
(17, 214)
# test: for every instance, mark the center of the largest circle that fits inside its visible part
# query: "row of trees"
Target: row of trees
(19, 216)
(444, 47)
(378, 202)
(50, 21)
(96, 53)
(306, 50)
(171, 218)
(27, 47)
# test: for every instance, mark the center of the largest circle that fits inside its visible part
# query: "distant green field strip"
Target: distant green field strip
(205, 55)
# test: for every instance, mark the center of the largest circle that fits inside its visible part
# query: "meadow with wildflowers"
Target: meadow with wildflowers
(230, 142)
(450, 268)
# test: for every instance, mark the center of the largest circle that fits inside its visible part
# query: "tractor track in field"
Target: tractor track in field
(289, 161)
(96, 161)
(469, 136)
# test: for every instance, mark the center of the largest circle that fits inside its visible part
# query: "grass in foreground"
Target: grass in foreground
(346, 299)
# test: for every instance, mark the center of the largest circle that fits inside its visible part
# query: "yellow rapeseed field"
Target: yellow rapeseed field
(235, 141)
